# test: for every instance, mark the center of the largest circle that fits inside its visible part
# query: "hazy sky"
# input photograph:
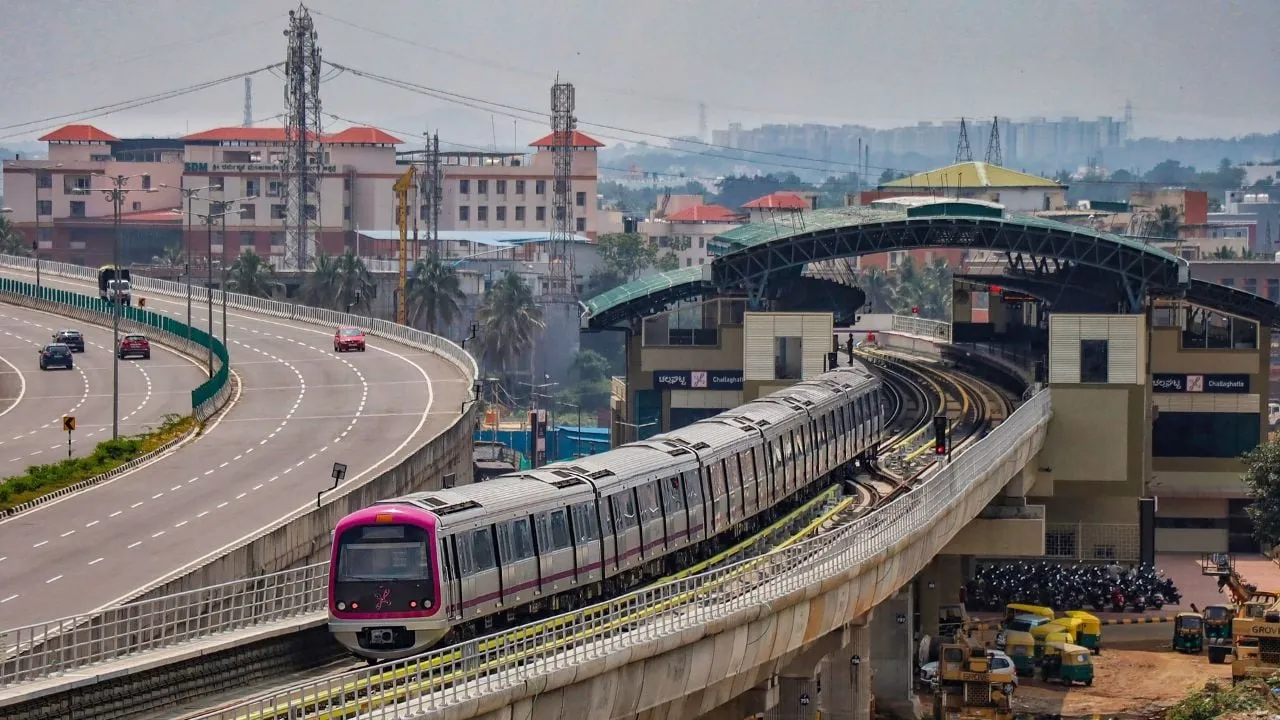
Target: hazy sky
(1190, 67)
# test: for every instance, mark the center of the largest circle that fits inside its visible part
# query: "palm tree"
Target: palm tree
(1167, 224)
(879, 288)
(172, 257)
(320, 288)
(354, 285)
(251, 275)
(11, 243)
(434, 291)
(508, 319)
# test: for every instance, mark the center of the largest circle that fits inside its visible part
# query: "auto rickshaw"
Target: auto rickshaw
(1047, 634)
(1074, 626)
(1217, 632)
(1019, 623)
(1012, 610)
(1067, 663)
(1021, 649)
(1090, 634)
(1188, 632)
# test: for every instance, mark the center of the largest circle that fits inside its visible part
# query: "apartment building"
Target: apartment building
(354, 171)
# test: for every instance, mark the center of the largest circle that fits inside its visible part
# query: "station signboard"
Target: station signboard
(697, 379)
(1225, 384)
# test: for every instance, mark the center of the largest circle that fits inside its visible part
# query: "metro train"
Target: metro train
(408, 571)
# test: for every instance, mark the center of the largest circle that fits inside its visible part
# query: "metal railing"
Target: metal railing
(456, 675)
(161, 622)
(912, 325)
(276, 308)
(206, 399)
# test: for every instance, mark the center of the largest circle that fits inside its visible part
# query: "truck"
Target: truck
(966, 688)
(112, 290)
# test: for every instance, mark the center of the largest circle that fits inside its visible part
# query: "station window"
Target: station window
(1205, 435)
(787, 358)
(1208, 330)
(1094, 359)
(1273, 289)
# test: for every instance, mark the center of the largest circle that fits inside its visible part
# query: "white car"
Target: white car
(1001, 666)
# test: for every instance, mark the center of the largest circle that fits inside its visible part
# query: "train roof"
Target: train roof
(638, 459)
(711, 438)
(515, 491)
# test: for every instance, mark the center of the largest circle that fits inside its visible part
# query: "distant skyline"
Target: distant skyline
(647, 66)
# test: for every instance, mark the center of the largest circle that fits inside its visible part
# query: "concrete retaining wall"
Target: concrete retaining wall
(685, 676)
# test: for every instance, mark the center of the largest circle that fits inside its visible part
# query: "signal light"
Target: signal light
(940, 434)
(995, 289)
(915, 311)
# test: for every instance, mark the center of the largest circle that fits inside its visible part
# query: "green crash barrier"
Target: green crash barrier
(202, 394)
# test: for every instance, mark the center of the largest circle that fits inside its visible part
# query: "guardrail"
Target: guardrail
(276, 308)
(162, 622)
(452, 676)
(912, 325)
(205, 399)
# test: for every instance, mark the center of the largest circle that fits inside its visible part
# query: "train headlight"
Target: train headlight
(426, 603)
(342, 606)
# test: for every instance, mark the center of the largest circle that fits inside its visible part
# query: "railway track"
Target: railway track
(915, 393)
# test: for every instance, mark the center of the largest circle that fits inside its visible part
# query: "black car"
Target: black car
(71, 338)
(56, 355)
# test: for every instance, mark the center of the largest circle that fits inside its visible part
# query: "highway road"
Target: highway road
(31, 418)
(302, 407)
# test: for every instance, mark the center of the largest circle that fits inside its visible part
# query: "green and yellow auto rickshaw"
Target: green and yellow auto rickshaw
(1013, 610)
(1021, 649)
(1090, 634)
(1067, 663)
(1188, 632)
(1049, 633)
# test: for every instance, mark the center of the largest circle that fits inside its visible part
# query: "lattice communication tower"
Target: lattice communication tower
(963, 153)
(994, 155)
(303, 155)
(562, 286)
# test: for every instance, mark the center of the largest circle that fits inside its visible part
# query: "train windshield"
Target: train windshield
(376, 553)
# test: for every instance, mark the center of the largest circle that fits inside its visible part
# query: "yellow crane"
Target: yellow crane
(401, 189)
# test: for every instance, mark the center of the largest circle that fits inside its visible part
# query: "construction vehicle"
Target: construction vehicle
(1247, 599)
(1255, 621)
(966, 688)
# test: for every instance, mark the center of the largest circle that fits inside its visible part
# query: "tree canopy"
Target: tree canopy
(1262, 478)
(627, 254)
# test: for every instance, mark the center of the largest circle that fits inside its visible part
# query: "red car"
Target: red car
(136, 345)
(348, 338)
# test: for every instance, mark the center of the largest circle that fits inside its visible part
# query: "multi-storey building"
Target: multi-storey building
(354, 172)
(508, 191)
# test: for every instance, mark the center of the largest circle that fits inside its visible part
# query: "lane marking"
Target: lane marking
(53, 579)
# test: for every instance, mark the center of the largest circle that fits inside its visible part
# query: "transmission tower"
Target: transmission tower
(248, 101)
(303, 154)
(563, 124)
(963, 153)
(432, 191)
(994, 156)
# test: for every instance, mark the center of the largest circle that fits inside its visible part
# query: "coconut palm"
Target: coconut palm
(1167, 224)
(434, 291)
(172, 257)
(11, 243)
(319, 289)
(508, 319)
(354, 286)
(879, 287)
(251, 275)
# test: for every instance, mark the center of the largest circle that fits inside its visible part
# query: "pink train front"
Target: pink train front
(384, 582)
(408, 571)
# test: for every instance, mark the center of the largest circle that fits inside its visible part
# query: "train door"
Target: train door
(750, 489)
(652, 539)
(626, 526)
(451, 571)
(555, 550)
(675, 512)
(733, 489)
(480, 577)
(518, 561)
(717, 498)
(587, 545)
(696, 505)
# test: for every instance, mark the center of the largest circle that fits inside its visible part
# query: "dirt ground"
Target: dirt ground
(1134, 678)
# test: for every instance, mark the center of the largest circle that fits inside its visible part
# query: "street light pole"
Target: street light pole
(189, 194)
(217, 209)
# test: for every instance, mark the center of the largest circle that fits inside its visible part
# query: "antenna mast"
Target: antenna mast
(248, 101)
(303, 155)
(562, 286)
(994, 156)
(963, 153)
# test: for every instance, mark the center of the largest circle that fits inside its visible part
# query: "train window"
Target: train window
(482, 557)
(693, 486)
(521, 539)
(716, 473)
(542, 523)
(585, 523)
(624, 510)
(462, 543)
(559, 530)
(745, 470)
(731, 473)
(675, 494)
(648, 502)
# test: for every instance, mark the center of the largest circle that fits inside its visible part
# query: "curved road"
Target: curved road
(31, 421)
(302, 408)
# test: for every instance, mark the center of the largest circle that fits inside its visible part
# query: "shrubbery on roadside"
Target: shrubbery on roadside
(110, 454)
